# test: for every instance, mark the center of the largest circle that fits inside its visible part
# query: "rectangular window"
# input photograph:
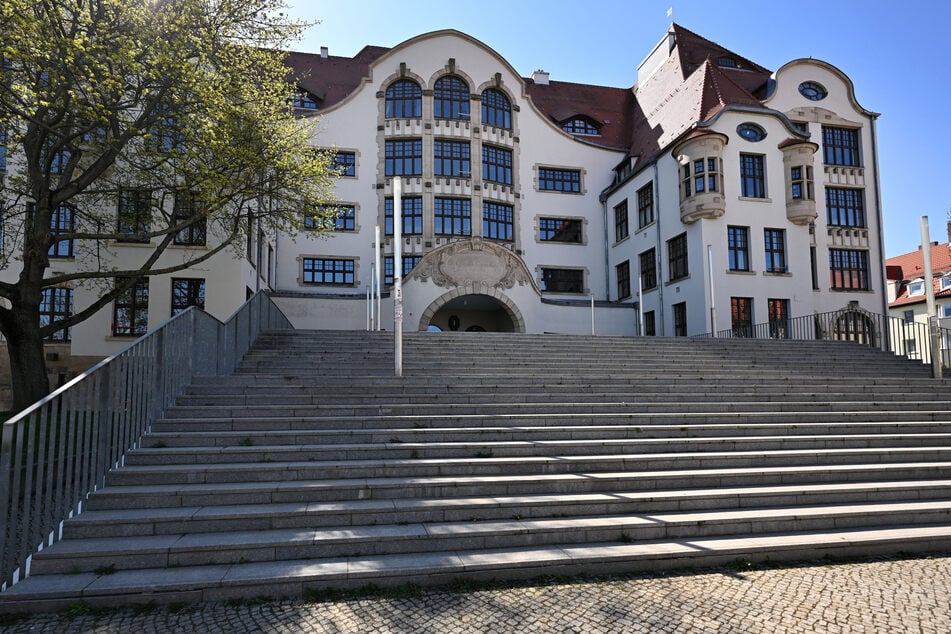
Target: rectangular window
(849, 269)
(130, 316)
(187, 292)
(650, 324)
(945, 311)
(451, 158)
(648, 270)
(196, 233)
(741, 315)
(62, 223)
(645, 206)
(620, 221)
(680, 319)
(328, 271)
(800, 178)
(555, 280)
(404, 157)
(453, 216)
(814, 265)
(775, 240)
(559, 180)
(56, 304)
(910, 316)
(738, 247)
(498, 221)
(412, 215)
(346, 218)
(677, 257)
(135, 215)
(559, 230)
(623, 272)
(3, 150)
(496, 164)
(409, 263)
(840, 146)
(845, 207)
(345, 163)
(342, 218)
(702, 175)
(778, 318)
(752, 176)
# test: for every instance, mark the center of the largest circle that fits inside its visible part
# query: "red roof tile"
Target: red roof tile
(608, 106)
(910, 266)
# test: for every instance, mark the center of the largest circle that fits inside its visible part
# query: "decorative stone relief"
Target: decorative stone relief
(473, 262)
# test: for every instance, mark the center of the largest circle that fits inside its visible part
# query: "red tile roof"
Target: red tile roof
(910, 266)
(333, 78)
(562, 100)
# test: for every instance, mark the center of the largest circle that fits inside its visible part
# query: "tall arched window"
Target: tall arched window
(496, 109)
(404, 100)
(451, 98)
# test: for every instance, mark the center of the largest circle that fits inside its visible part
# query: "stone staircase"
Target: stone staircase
(508, 456)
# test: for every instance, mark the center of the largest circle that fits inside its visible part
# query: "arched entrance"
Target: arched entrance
(473, 312)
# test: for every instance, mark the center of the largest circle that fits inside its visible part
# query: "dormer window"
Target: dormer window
(303, 100)
(916, 287)
(944, 282)
(581, 125)
(727, 62)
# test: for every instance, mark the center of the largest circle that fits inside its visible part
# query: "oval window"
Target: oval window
(813, 91)
(751, 132)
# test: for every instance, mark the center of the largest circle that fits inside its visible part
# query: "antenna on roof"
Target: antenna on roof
(670, 13)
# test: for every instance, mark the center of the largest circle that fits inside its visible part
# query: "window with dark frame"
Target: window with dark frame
(623, 274)
(650, 324)
(130, 317)
(909, 316)
(451, 158)
(845, 207)
(451, 98)
(196, 233)
(701, 175)
(775, 243)
(738, 248)
(559, 180)
(498, 222)
(409, 263)
(303, 100)
(56, 304)
(345, 163)
(187, 292)
(496, 164)
(496, 109)
(648, 262)
(404, 157)
(778, 310)
(840, 146)
(620, 221)
(411, 212)
(801, 183)
(645, 205)
(741, 316)
(560, 230)
(452, 216)
(134, 215)
(582, 126)
(62, 223)
(328, 271)
(556, 280)
(849, 269)
(677, 257)
(346, 218)
(752, 176)
(680, 319)
(404, 100)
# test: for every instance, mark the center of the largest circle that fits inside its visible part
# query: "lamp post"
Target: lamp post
(397, 276)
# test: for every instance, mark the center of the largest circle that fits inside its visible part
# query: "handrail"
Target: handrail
(891, 334)
(60, 449)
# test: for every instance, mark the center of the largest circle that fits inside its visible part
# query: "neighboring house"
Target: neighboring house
(525, 197)
(907, 292)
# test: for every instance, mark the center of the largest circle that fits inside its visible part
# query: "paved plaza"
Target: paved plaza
(880, 595)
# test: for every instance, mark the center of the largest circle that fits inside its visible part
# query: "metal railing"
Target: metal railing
(59, 450)
(891, 334)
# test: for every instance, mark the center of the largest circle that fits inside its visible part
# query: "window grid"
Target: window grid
(741, 316)
(346, 219)
(404, 157)
(409, 263)
(451, 98)
(328, 271)
(648, 270)
(840, 146)
(752, 176)
(580, 125)
(775, 241)
(738, 247)
(559, 230)
(133, 220)
(451, 158)
(496, 109)
(345, 163)
(411, 213)
(498, 221)
(623, 272)
(677, 257)
(496, 164)
(453, 216)
(131, 310)
(645, 206)
(845, 207)
(802, 187)
(196, 233)
(56, 304)
(680, 319)
(555, 280)
(849, 269)
(187, 292)
(701, 175)
(62, 222)
(404, 100)
(650, 324)
(620, 221)
(559, 180)
(778, 315)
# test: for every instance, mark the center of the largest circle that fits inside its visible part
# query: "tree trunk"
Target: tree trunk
(21, 328)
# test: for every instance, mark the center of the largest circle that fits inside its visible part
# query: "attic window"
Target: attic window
(303, 100)
(916, 287)
(751, 132)
(813, 91)
(944, 282)
(727, 62)
(581, 125)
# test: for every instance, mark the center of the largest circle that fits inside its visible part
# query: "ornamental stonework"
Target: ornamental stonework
(473, 262)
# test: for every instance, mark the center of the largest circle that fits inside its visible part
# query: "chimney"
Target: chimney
(324, 51)
(540, 77)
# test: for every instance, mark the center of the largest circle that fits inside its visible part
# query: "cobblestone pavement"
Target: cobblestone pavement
(883, 595)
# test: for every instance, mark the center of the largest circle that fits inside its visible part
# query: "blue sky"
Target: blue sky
(897, 54)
